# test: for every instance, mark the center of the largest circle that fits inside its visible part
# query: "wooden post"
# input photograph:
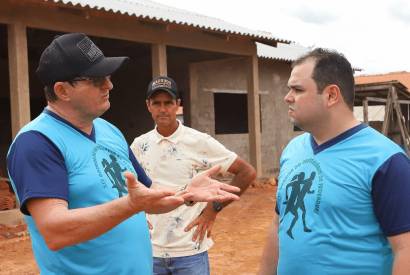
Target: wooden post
(19, 83)
(254, 119)
(387, 112)
(192, 112)
(159, 60)
(400, 119)
(366, 110)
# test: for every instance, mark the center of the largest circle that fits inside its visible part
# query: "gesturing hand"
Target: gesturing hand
(203, 223)
(152, 201)
(205, 189)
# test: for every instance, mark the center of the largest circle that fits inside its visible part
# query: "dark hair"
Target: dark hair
(49, 93)
(330, 68)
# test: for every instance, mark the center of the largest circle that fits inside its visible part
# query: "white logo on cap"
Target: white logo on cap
(89, 49)
(161, 83)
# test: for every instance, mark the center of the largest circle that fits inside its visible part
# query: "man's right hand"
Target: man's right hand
(152, 201)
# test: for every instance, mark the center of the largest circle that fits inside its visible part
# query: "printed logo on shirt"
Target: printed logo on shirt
(110, 167)
(298, 185)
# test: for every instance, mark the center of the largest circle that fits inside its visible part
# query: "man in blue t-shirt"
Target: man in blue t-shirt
(83, 193)
(344, 189)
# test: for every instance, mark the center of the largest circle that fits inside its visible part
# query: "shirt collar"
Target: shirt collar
(54, 115)
(174, 138)
(350, 132)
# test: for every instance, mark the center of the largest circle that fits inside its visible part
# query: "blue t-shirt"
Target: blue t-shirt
(338, 202)
(50, 158)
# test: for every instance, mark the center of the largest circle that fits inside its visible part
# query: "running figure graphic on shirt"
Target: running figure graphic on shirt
(300, 187)
(114, 172)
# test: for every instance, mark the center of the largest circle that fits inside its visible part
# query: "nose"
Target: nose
(162, 108)
(288, 97)
(108, 84)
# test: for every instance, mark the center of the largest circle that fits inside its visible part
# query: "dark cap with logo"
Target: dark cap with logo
(73, 55)
(163, 83)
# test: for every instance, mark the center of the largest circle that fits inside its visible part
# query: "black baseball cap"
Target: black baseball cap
(73, 55)
(163, 83)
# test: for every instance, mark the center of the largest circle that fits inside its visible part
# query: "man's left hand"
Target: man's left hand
(204, 223)
(205, 189)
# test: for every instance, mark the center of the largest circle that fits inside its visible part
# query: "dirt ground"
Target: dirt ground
(239, 234)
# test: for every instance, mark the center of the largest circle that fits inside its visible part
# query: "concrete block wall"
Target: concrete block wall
(231, 75)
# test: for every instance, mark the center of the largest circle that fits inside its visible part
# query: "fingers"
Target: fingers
(199, 233)
(202, 233)
(225, 196)
(209, 231)
(229, 188)
(159, 193)
(188, 196)
(203, 227)
(202, 230)
(196, 233)
(192, 224)
(130, 179)
(163, 205)
(209, 196)
(152, 201)
(133, 183)
(181, 193)
(212, 171)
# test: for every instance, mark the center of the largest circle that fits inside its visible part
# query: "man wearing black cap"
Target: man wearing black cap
(172, 154)
(67, 165)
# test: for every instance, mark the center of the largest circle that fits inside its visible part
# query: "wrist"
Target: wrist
(217, 206)
(132, 207)
(209, 210)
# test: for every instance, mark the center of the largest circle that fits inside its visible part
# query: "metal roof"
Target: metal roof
(283, 52)
(403, 77)
(151, 10)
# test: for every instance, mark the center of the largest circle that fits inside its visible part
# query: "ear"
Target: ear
(147, 103)
(61, 91)
(333, 95)
(178, 102)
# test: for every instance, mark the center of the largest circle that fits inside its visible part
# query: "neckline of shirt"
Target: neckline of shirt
(54, 115)
(172, 138)
(346, 134)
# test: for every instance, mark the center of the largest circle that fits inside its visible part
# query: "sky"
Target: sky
(373, 34)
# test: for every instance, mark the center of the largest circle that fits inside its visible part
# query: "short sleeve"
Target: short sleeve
(37, 169)
(218, 154)
(391, 195)
(142, 176)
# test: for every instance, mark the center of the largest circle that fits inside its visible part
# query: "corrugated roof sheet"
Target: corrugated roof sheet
(283, 52)
(159, 12)
(402, 77)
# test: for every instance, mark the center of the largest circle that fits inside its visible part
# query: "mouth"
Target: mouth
(291, 112)
(291, 109)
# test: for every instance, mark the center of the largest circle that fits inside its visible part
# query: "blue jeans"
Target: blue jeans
(189, 265)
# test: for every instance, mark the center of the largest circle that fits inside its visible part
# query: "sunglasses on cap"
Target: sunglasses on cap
(97, 81)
